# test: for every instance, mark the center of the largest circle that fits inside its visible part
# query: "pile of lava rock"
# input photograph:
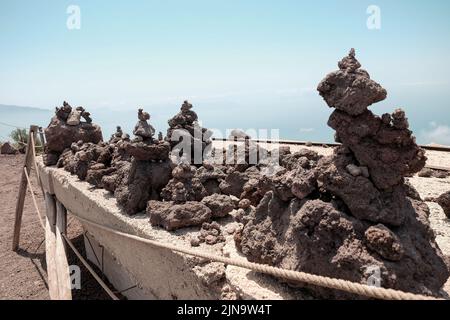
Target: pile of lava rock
(350, 215)
(65, 128)
(185, 132)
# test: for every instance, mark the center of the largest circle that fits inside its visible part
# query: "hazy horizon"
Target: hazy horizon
(127, 118)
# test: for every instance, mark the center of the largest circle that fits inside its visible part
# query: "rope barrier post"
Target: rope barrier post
(50, 246)
(22, 190)
(35, 164)
(62, 266)
(42, 138)
(30, 188)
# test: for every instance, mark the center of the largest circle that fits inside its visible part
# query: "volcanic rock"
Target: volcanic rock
(389, 153)
(195, 241)
(211, 233)
(135, 183)
(350, 213)
(244, 204)
(159, 150)
(211, 177)
(383, 241)
(186, 137)
(359, 193)
(60, 135)
(7, 148)
(431, 173)
(143, 130)
(444, 201)
(317, 237)
(350, 89)
(221, 205)
(173, 216)
(192, 187)
(74, 118)
(117, 136)
(81, 158)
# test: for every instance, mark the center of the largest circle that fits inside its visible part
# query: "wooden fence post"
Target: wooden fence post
(62, 266)
(42, 138)
(23, 190)
(50, 246)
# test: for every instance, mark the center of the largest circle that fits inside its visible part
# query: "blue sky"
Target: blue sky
(247, 63)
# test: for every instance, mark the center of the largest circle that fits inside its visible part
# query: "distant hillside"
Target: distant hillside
(20, 116)
(12, 108)
(17, 116)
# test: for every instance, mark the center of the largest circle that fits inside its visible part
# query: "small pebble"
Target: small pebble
(210, 239)
(230, 229)
(354, 170)
(195, 241)
(244, 204)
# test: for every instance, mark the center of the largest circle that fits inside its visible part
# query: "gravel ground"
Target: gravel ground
(23, 274)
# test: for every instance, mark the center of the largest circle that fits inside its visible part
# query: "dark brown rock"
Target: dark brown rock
(350, 89)
(84, 157)
(211, 177)
(173, 216)
(95, 175)
(314, 236)
(384, 242)
(221, 205)
(143, 151)
(360, 195)
(234, 183)
(389, 153)
(430, 173)
(244, 204)
(193, 189)
(138, 182)
(7, 148)
(59, 135)
(187, 139)
(143, 130)
(444, 201)
(351, 213)
(211, 233)
(304, 158)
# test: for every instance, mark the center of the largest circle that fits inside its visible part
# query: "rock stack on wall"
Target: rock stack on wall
(351, 215)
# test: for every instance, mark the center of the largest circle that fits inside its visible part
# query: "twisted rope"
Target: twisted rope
(89, 268)
(327, 282)
(30, 188)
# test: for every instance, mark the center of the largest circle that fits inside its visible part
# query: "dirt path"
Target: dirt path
(23, 274)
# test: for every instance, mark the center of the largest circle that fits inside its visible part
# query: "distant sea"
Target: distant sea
(296, 118)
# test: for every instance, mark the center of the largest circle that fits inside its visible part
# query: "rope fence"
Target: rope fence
(30, 187)
(327, 282)
(291, 275)
(11, 125)
(89, 268)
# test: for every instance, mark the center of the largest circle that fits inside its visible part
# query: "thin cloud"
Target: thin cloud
(437, 133)
(423, 83)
